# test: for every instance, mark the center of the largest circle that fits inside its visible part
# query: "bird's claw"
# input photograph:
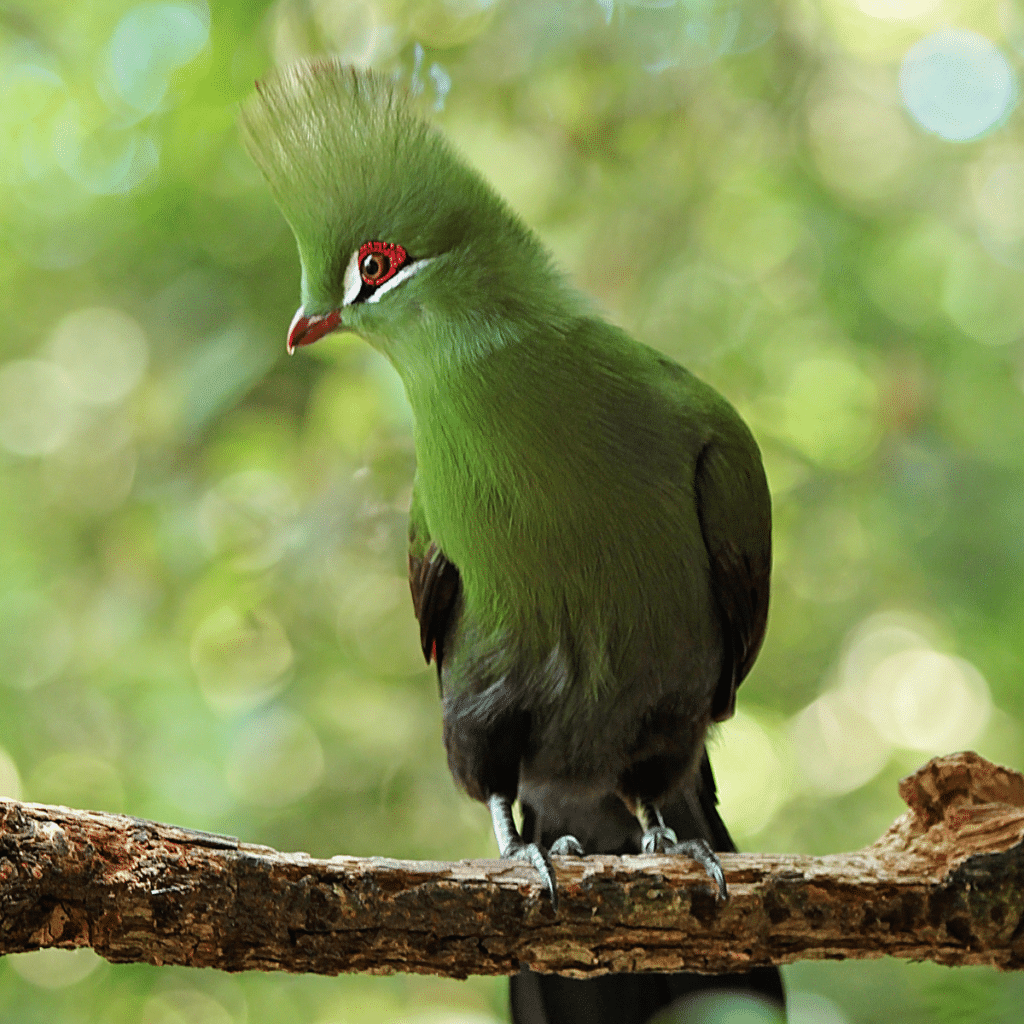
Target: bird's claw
(539, 858)
(661, 839)
(566, 846)
(658, 839)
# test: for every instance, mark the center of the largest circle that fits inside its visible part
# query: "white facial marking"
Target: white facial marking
(403, 275)
(353, 281)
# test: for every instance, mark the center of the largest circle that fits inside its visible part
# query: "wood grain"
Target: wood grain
(945, 883)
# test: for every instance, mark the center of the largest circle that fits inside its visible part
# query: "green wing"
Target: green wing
(734, 507)
(435, 585)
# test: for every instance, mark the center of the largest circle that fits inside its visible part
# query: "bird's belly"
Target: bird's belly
(653, 723)
(603, 646)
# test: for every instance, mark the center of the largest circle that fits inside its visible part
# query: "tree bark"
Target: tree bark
(945, 883)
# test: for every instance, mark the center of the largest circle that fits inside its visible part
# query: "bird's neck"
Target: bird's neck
(495, 474)
(477, 401)
(473, 351)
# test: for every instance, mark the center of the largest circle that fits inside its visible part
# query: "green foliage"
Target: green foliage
(202, 544)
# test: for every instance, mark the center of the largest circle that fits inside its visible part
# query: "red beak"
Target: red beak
(304, 330)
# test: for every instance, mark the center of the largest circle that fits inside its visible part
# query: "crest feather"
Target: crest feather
(349, 160)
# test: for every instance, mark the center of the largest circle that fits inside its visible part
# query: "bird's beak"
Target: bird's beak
(304, 330)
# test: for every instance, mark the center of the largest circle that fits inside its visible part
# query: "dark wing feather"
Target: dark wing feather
(734, 507)
(435, 584)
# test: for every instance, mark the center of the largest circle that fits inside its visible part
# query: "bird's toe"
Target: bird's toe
(701, 852)
(658, 839)
(566, 846)
(539, 858)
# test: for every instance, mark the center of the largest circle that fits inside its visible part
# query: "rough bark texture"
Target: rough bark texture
(945, 883)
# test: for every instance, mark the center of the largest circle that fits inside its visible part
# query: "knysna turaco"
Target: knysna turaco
(590, 530)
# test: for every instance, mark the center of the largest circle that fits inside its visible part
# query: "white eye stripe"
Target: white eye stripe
(353, 280)
(403, 275)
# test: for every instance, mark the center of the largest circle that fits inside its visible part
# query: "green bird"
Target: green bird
(590, 528)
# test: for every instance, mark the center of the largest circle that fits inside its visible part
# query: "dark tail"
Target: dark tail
(632, 998)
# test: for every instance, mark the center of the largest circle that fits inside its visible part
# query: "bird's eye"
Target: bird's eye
(374, 267)
(379, 261)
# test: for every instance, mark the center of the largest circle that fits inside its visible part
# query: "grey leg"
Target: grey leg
(512, 845)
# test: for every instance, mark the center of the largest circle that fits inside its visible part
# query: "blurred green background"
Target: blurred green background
(817, 205)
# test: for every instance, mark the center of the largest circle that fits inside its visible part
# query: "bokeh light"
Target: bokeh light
(56, 968)
(275, 760)
(38, 408)
(838, 748)
(860, 141)
(249, 515)
(831, 411)
(240, 660)
(77, 778)
(957, 84)
(811, 1008)
(915, 696)
(104, 352)
(892, 690)
(998, 193)
(185, 1004)
(10, 780)
(36, 642)
(149, 44)
(817, 208)
(750, 800)
(725, 1008)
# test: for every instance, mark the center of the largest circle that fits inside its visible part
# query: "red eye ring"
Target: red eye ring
(380, 261)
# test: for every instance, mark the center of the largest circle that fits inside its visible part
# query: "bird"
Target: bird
(590, 524)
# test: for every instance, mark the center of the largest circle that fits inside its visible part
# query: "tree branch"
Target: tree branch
(945, 883)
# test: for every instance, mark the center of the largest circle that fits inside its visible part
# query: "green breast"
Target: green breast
(559, 480)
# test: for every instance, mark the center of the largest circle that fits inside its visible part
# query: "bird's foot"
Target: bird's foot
(540, 859)
(566, 846)
(658, 839)
(661, 839)
(514, 847)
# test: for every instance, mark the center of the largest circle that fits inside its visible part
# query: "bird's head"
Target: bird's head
(398, 238)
